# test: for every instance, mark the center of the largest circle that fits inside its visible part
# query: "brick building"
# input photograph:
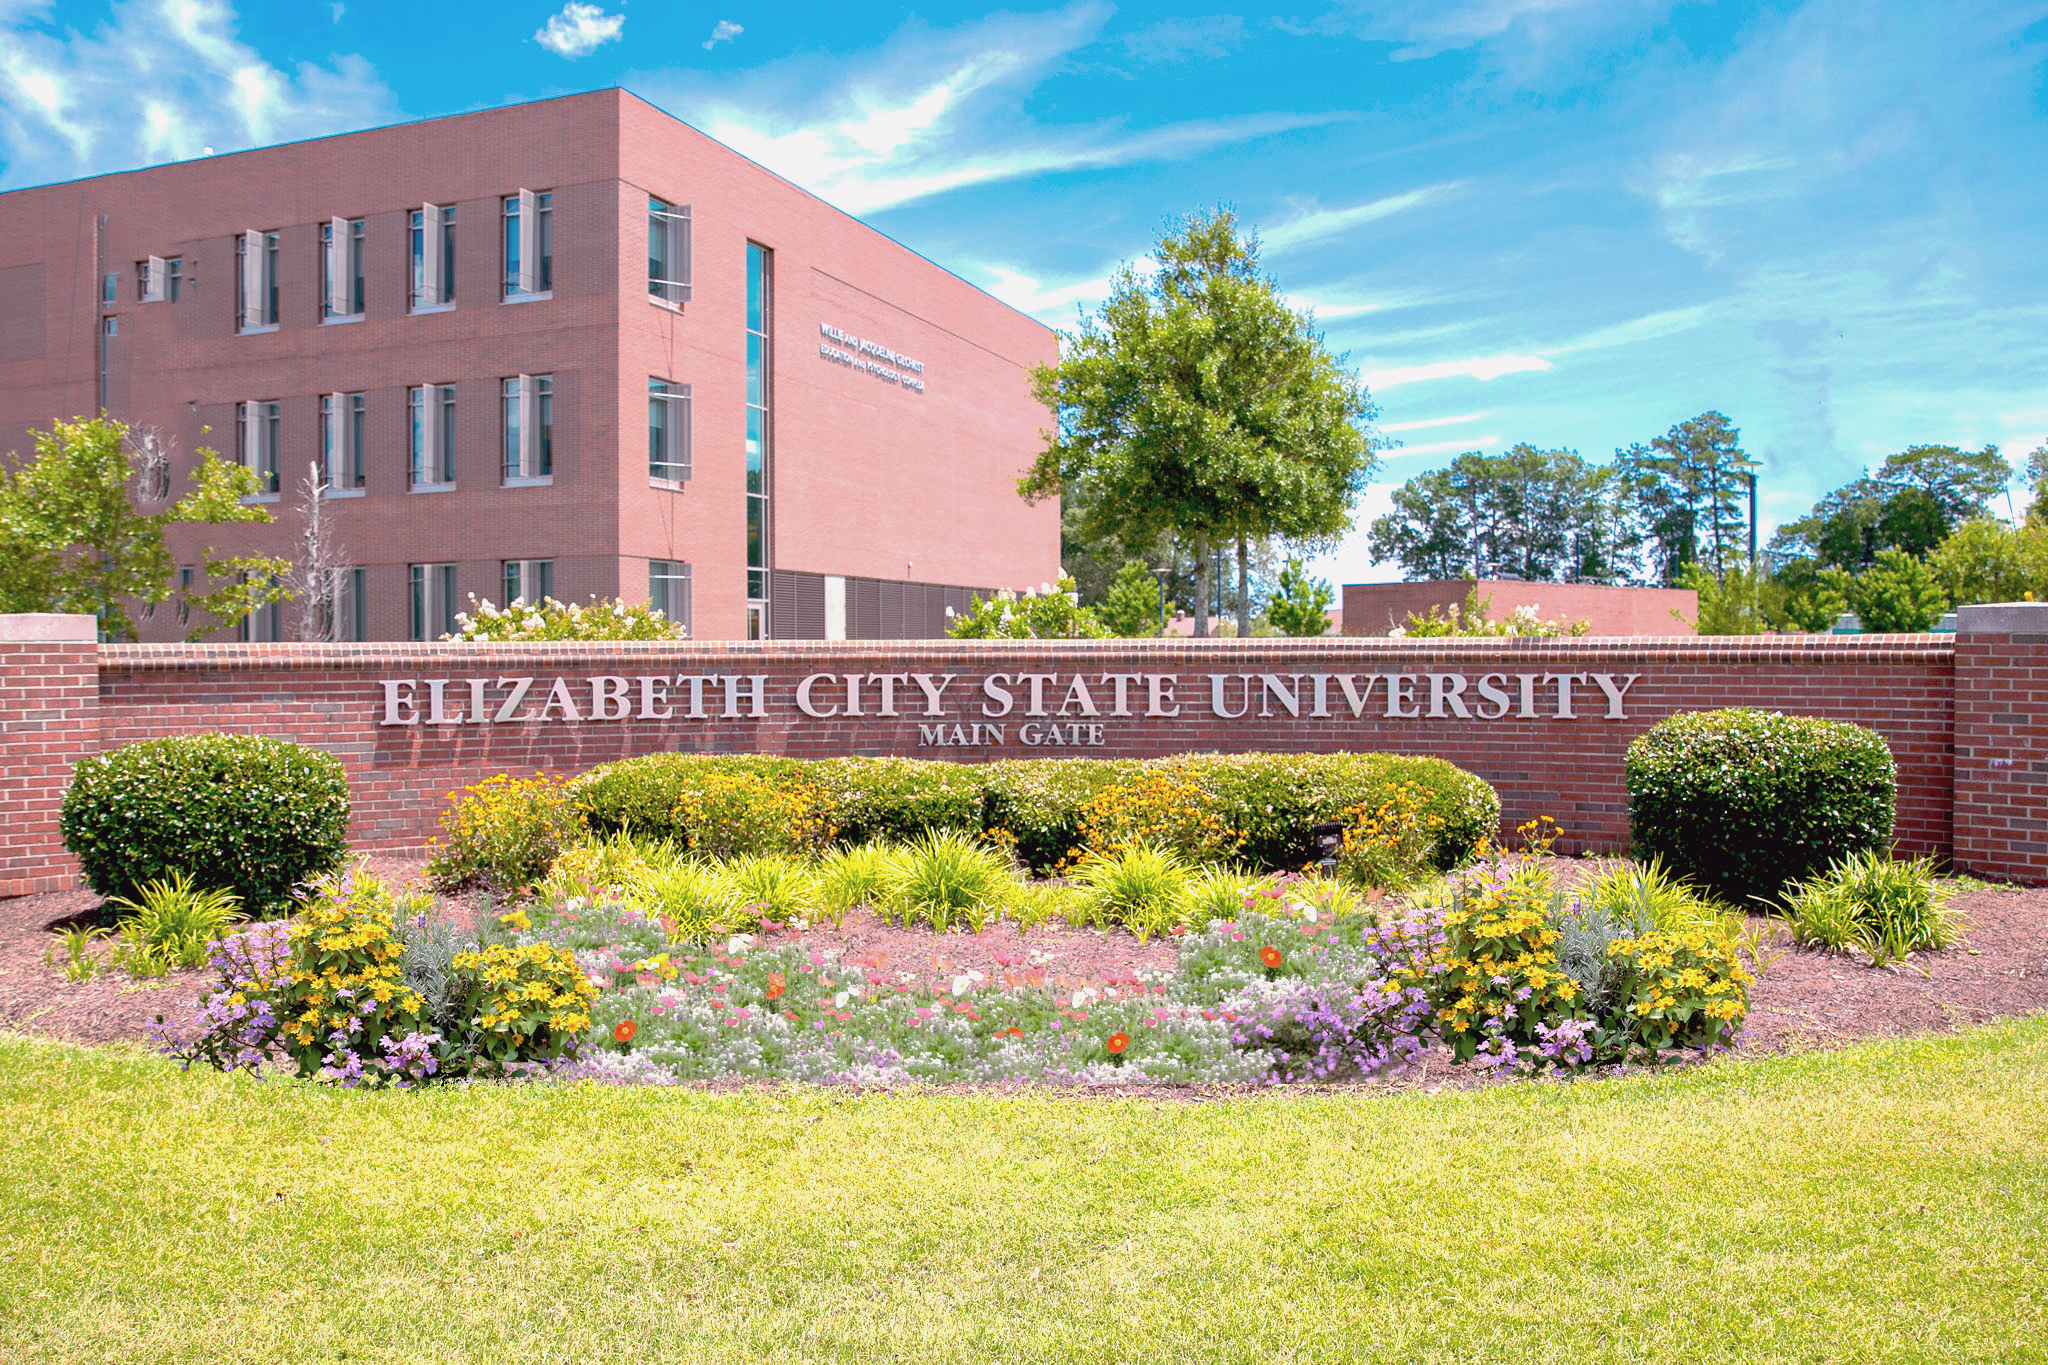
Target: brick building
(572, 346)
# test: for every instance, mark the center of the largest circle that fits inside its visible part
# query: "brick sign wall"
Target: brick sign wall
(1545, 721)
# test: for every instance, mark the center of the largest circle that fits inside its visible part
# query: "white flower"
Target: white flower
(739, 943)
(961, 985)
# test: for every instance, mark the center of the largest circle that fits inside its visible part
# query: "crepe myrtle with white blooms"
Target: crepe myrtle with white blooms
(602, 618)
(1051, 611)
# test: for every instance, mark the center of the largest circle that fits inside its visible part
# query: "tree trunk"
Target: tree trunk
(1244, 595)
(1201, 586)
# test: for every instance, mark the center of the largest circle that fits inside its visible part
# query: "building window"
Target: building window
(529, 580)
(668, 431)
(431, 408)
(257, 442)
(668, 252)
(759, 453)
(156, 280)
(529, 244)
(187, 575)
(351, 605)
(668, 591)
(256, 287)
(174, 276)
(265, 625)
(433, 257)
(110, 288)
(341, 268)
(529, 427)
(341, 440)
(433, 601)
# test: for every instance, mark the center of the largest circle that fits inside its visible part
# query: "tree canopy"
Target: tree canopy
(1198, 405)
(1526, 513)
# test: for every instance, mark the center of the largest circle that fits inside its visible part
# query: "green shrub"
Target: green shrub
(171, 924)
(1888, 909)
(1033, 806)
(641, 795)
(239, 813)
(770, 886)
(1743, 802)
(503, 833)
(899, 799)
(693, 900)
(730, 815)
(855, 876)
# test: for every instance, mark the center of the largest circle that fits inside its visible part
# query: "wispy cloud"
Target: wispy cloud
(579, 30)
(1178, 40)
(1319, 224)
(159, 81)
(934, 110)
(1395, 428)
(1486, 442)
(724, 31)
(1477, 367)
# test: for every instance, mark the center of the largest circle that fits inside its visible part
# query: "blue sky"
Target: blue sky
(1570, 223)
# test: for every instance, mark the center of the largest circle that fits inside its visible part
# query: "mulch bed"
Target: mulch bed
(1803, 999)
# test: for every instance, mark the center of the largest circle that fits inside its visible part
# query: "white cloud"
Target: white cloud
(933, 110)
(1176, 40)
(1478, 367)
(579, 30)
(1650, 327)
(1394, 428)
(158, 81)
(1317, 224)
(724, 31)
(1443, 447)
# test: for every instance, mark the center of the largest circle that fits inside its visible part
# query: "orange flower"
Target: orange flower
(1270, 956)
(775, 985)
(1117, 1043)
(625, 1031)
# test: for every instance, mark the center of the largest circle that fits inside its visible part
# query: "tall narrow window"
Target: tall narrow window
(152, 280)
(174, 277)
(351, 606)
(433, 258)
(529, 427)
(668, 431)
(341, 440)
(433, 601)
(431, 410)
(187, 576)
(759, 452)
(529, 580)
(529, 244)
(257, 441)
(341, 268)
(256, 281)
(668, 251)
(265, 625)
(668, 591)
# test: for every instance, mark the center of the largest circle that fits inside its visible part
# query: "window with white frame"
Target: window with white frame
(351, 605)
(256, 281)
(431, 408)
(668, 251)
(668, 431)
(433, 258)
(529, 244)
(433, 601)
(265, 625)
(529, 580)
(341, 440)
(256, 441)
(529, 428)
(154, 282)
(341, 269)
(668, 591)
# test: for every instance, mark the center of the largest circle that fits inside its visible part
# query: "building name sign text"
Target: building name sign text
(957, 710)
(870, 357)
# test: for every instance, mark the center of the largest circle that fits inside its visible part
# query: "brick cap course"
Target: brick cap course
(47, 627)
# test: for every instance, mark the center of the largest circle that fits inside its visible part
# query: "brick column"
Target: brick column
(2001, 801)
(49, 719)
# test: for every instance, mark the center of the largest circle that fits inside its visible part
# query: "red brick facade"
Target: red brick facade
(1545, 721)
(1376, 608)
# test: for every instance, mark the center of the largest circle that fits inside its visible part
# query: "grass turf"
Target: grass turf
(1884, 1202)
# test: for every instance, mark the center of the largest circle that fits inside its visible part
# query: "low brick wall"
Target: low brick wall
(1545, 721)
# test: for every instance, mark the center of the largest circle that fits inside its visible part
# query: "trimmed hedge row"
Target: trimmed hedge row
(1269, 800)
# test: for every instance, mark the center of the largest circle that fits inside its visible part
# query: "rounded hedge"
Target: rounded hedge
(1744, 802)
(258, 817)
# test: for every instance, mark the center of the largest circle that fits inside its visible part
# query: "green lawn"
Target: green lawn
(1885, 1202)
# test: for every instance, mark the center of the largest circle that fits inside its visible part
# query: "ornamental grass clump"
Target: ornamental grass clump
(946, 878)
(171, 925)
(1143, 888)
(850, 877)
(1889, 910)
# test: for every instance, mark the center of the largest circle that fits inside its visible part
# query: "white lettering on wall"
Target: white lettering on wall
(870, 357)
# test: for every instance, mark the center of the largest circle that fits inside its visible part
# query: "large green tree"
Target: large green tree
(1197, 405)
(1689, 494)
(74, 537)
(1525, 513)
(1915, 500)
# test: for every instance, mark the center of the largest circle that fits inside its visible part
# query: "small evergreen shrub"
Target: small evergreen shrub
(1143, 887)
(256, 817)
(899, 799)
(1742, 802)
(503, 833)
(643, 796)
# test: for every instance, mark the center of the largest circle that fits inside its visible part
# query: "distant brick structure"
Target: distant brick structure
(1376, 608)
(1545, 721)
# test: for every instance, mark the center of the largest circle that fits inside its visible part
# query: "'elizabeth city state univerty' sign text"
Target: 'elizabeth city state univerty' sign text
(981, 709)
